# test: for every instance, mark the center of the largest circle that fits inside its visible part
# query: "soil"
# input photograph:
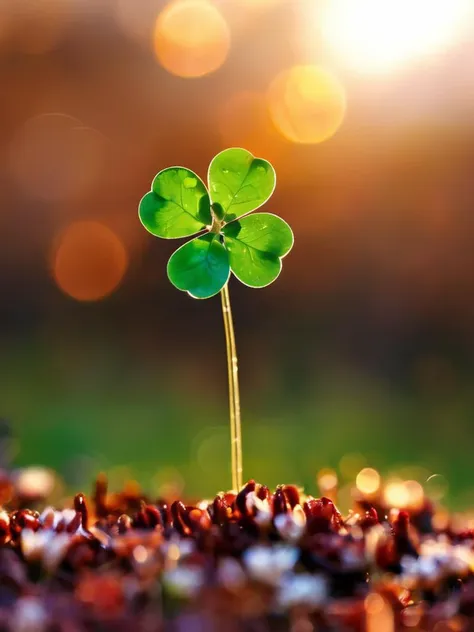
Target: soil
(255, 560)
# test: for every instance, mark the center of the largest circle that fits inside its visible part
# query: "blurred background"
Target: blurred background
(361, 355)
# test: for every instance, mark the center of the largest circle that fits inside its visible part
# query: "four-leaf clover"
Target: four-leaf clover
(251, 246)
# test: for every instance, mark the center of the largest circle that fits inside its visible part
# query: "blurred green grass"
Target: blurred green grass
(107, 414)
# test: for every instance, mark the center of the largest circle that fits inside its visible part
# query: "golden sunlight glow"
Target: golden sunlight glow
(35, 481)
(307, 104)
(327, 480)
(89, 261)
(397, 495)
(375, 36)
(140, 554)
(192, 38)
(416, 495)
(368, 481)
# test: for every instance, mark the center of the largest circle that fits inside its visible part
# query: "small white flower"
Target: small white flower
(33, 543)
(263, 512)
(409, 565)
(45, 546)
(55, 551)
(351, 558)
(291, 525)
(463, 557)
(438, 557)
(428, 567)
(267, 564)
(302, 590)
(184, 581)
(4, 517)
(50, 518)
(67, 515)
(178, 548)
(436, 548)
(29, 615)
(230, 573)
(373, 538)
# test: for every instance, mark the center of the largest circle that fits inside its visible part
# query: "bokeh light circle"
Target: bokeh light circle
(368, 481)
(402, 494)
(436, 487)
(89, 261)
(35, 481)
(327, 480)
(397, 495)
(416, 495)
(307, 104)
(191, 38)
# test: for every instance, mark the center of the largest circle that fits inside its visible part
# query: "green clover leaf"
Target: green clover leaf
(177, 206)
(252, 247)
(239, 183)
(256, 245)
(200, 267)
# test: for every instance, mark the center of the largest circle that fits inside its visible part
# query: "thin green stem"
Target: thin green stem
(234, 395)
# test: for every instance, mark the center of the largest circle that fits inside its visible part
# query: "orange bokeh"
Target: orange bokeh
(368, 480)
(89, 261)
(307, 104)
(192, 38)
(404, 494)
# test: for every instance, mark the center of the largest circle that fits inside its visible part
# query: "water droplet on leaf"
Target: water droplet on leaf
(189, 183)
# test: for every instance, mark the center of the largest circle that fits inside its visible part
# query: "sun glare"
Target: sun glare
(376, 35)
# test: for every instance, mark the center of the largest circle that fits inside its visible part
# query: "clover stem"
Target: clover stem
(234, 396)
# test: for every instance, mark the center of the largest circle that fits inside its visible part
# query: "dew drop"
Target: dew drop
(225, 171)
(189, 183)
